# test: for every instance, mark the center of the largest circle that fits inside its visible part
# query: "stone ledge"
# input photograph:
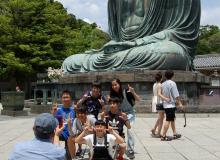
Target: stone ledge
(195, 109)
(14, 113)
(180, 115)
(37, 109)
(138, 75)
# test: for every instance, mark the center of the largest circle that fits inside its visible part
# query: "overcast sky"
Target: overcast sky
(96, 11)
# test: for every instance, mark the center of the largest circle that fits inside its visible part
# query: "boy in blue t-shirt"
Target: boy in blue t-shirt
(62, 113)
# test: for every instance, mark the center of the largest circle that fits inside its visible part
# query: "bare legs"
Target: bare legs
(159, 123)
(165, 128)
(122, 149)
(71, 146)
(173, 127)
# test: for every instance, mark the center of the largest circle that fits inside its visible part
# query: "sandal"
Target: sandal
(177, 136)
(165, 138)
(156, 135)
(79, 151)
(153, 132)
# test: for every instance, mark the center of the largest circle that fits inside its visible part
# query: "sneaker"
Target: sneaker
(130, 154)
(79, 151)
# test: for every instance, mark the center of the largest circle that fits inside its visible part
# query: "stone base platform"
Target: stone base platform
(189, 85)
(37, 109)
(14, 113)
(136, 75)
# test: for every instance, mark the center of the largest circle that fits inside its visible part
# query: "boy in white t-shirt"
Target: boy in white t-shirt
(101, 144)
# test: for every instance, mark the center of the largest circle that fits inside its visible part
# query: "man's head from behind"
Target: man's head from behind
(66, 98)
(44, 126)
(158, 77)
(169, 74)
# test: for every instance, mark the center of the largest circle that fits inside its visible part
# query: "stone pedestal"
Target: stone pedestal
(13, 103)
(12, 100)
(188, 83)
(37, 109)
(14, 113)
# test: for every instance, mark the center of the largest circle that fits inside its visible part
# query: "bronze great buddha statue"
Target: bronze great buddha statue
(148, 34)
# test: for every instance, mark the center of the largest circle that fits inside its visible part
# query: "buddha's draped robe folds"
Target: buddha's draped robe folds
(147, 34)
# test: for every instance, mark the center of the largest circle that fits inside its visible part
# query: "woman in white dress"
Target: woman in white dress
(157, 98)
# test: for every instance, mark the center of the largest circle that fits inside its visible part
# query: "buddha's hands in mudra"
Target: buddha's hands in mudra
(113, 46)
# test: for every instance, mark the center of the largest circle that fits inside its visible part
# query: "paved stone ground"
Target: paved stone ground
(200, 141)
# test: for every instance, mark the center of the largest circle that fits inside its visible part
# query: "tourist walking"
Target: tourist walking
(157, 99)
(128, 97)
(170, 90)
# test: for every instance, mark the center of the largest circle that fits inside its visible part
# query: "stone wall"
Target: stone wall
(188, 83)
(37, 109)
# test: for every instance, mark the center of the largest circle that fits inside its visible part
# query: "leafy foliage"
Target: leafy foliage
(209, 40)
(37, 34)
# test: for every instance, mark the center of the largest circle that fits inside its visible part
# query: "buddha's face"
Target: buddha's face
(133, 12)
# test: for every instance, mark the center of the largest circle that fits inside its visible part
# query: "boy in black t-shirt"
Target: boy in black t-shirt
(94, 100)
(117, 119)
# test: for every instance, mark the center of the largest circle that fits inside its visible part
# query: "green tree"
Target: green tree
(37, 34)
(214, 42)
(209, 40)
